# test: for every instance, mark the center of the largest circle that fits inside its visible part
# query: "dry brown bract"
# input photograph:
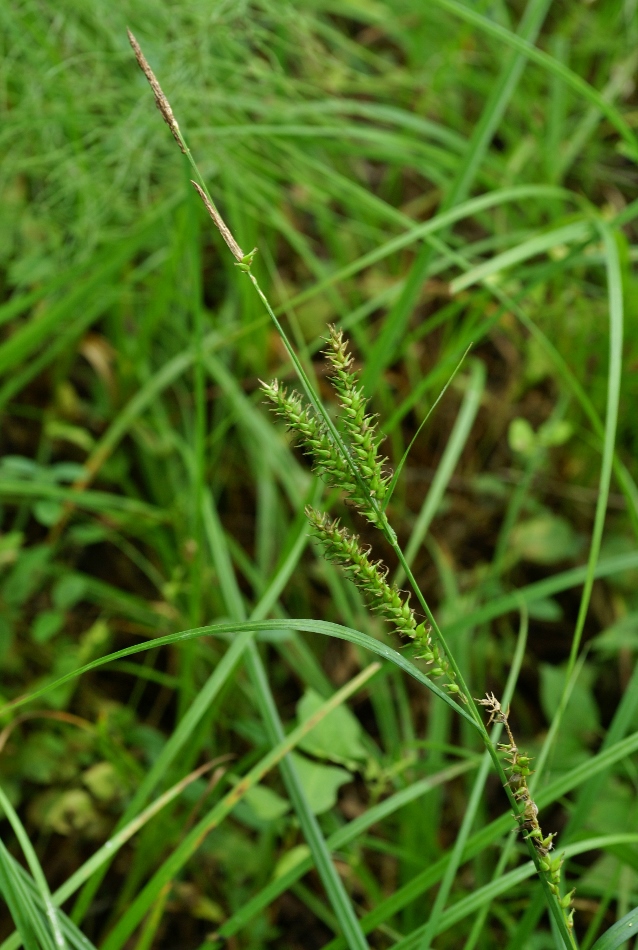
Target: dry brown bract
(161, 101)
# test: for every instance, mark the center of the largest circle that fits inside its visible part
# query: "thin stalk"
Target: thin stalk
(477, 792)
(391, 537)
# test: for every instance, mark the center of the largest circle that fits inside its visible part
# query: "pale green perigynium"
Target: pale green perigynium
(360, 427)
(315, 440)
(345, 549)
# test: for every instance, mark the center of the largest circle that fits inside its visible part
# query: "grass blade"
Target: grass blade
(614, 281)
(449, 461)
(579, 231)
(623, 930)
(339, 839)
(36, 870)
(548, 63)
(191, 842)
(23, 912)
(396, 322)
(253, 626)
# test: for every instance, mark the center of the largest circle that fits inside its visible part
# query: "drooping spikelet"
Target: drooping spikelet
(345, 549)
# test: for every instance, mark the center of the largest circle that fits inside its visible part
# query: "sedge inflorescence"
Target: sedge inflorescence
(358, 453)
(518, 766)
(355, 466)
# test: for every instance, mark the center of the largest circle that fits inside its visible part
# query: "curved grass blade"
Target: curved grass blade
(192, 841)
(38, 875)
(502, 605)
(623, 930)
(323, 627)
(578, 231)
(552, 65)
(438, 222)
(445, 468)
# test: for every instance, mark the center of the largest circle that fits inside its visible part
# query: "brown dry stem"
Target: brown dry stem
(161, 101)
(219, 222)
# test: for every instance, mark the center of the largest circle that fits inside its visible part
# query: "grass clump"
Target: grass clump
(418, 183)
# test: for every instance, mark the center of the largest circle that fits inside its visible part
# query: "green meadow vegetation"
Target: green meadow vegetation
(370, 682)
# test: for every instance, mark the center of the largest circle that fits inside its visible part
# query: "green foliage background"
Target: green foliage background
(144, 489)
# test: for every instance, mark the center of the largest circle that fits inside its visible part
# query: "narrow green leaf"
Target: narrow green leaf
(579, 231)
(191, 841)
(36, 870)
(616, 319)
(547, 62)
(623, 930)
(310, 626)
(339, 840)
(22, 911)
(449, 460)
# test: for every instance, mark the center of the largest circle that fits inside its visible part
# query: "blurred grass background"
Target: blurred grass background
(135, 442)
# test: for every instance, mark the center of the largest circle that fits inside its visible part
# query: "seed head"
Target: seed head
(161, 101)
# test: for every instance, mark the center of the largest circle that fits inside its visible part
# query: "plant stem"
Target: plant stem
(244, 263)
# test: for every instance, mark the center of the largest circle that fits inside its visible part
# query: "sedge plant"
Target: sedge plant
(346, 454)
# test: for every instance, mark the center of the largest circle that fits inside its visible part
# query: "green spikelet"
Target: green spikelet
(317, 442)
(360, 439)
(313, 436)
(345, 549)
(369, 576)
(361, 445)
(361, 428)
